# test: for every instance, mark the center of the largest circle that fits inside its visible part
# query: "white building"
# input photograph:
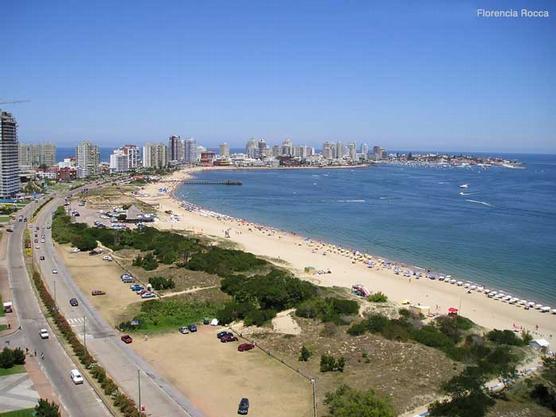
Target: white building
(352, 151)
(225, 150)
(9, 156)
(133, 156)
(190, 151)
(119, 161)
(88, 159)
(155, 155)
(35, 155)
(176, 149)
(252, 148)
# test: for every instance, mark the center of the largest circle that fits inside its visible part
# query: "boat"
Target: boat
(464, 186)
(460, 283)
(545, 309)
(553, 311)
(538, 306)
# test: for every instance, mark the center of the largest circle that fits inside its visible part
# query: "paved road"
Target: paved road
(159, 397)
(78, 400)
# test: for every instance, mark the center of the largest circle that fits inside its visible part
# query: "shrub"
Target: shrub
(47, 409)
(7, 358)
(327, 310)
(19, 356)
(357, 329)
(377, 297)
(162, 283)
(147, 262)
(504, 337)
(348, 402)
(304, 354)
(221, 261)
(329, 363)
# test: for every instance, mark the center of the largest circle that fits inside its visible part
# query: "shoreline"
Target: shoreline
(335, 265)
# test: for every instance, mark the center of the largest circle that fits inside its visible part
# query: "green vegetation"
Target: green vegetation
(377, 297)
(28, 412)
(257, 299)
(305, 354)
(169, 314)
(1, 307)
(46, 408)
(16, 369)
(505, 337)
(224, 261)
(348, 402)
(327, 309)
(8, 208)
(329, 363)
(147, 262)
(162, 283)
(10, 357)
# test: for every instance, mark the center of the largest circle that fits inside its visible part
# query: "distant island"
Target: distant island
(460, 161)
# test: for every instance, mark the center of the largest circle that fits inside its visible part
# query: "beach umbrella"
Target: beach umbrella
(452, 310)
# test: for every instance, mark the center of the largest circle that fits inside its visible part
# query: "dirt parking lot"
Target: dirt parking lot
(216, 376)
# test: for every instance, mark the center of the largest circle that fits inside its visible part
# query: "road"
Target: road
(78, 400)
(159, 397)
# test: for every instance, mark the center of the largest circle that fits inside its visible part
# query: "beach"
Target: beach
(331, 265)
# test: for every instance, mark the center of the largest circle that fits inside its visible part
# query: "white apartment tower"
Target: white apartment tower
(119, 161)
(224, 150)
(88, 159)
(9, 155)
(190, 151)
(36, 155)
(155, 155)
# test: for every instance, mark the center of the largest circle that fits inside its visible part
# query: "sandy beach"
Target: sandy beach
(335, 266)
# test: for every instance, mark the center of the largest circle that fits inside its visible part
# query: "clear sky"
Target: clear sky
(404, 74)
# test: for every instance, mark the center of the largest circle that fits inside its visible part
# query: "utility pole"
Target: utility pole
(84, 334)
(55, 302)
(139, 386)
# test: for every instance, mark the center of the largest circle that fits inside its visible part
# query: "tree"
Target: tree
(47, 409)
(19, 356)
(6, 358)
(305, 354)
(348, 402)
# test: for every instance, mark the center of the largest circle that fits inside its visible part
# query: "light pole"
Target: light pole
(84, 334)
(139, 386)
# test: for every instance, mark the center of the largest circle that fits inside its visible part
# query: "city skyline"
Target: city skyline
(411, 76)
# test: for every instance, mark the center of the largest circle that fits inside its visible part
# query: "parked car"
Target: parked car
(74, 302)
(243, 407)
(223, 333)
(76, 376)
(107, 258)
(192, 328)
(54, 271)
(245, 346)
(9, 229)
(183, 330)
(228, 338)
(98, 292)
(75, 250)
(42, 258)
(44, 334)
(136, 287)
(148, 294)
(126, 339)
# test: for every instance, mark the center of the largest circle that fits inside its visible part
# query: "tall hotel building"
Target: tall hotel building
(176, 149)
(190, 151)
(9, 155)
(155, 155)
(37, 154)
(88, 159)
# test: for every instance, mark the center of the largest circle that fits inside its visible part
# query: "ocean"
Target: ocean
(68, 152)
(500, 231)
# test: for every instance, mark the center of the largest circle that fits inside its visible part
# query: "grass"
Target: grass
(28, 412)
(4, 218)
(1, 307)
(3, 327)
(16, 369)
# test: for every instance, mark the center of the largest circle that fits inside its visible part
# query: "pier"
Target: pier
(209, 182)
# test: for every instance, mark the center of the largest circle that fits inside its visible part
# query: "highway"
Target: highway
(159, 398)
(77, 400)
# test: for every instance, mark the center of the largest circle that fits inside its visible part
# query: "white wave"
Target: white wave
(462, 193)
(350, 201)
(484, 203)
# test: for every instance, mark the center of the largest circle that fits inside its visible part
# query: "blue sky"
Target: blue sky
(404, 74)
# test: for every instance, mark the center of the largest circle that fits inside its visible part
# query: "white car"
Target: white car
(54, 271)
(75, 250)
(76, 376)
(43, 241)
(44, 334)
(107, 258)
(37, 247)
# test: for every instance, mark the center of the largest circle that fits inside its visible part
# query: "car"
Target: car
(245, 347)
(228, 338)
(42, 258)
(36, 240)
(192, 328)
(74, 302)
(126, 339)
(75, 250)
(243, 407)
(9, 229)
(43, 240)
(54, 271)
(107, 258)
(223, 333)
(183, 330)
(44, 334)
(98, 292)
(136, 287)
(37, 247)
(148, 294)
(76, 376)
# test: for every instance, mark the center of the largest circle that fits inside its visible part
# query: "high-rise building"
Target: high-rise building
(88, 159)
(190, 151)
(155, 155)
(262, 149)
(287, 147)
(328, 150)
(378, 153)
(176, 149)
(36, 155)
(9, 155)
(364, 150)
(339, 150)
(119, 161)
(252, 148)
(352, 151)
(224, 150)
(133, 156)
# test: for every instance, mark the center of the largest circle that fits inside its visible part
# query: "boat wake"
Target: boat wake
(462, 193)
(350, 201)
(484, 203)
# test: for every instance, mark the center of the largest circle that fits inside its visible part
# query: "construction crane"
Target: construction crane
(14, 101)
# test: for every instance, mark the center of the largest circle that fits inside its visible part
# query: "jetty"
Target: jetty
(212, 182)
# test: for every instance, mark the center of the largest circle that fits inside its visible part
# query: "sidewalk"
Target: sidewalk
(41, 383)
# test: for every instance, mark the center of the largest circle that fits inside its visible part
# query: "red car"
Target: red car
(228, 338)
(126, 339)
(245, 346)
(97, 292)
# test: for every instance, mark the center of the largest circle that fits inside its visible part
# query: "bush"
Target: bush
(329, 363)
(162, 283)
(220, 261)
(377, 297)
(304, 354)
(19, 356)
(327, 310)
(348, 402)
(504, 337)
(47, 409)
(544, 396)
(7, 359)
(147, 262)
